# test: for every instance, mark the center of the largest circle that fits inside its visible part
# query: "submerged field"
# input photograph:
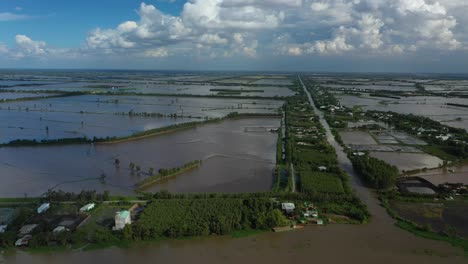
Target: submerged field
(233, 161)
(102, 116)
(433, 107)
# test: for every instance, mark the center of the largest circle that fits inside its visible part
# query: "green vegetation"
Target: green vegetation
(83, 196)
(166, 173)
(320, 182)
(195, 217)
(453, 148)
(315, 160)
(438, 152)
(375, 172)
(236, 90)
(422, 231)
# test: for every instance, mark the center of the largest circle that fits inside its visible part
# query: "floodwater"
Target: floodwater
(57, 125)
(370, 243)
(452, 174)
(357, 138)
(432, 107)
(233, 161)
(200, 107)
(10, 95)
(408, 161)
(268, 89)
(102, 116)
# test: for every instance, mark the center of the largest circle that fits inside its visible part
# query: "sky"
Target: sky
(269, 35)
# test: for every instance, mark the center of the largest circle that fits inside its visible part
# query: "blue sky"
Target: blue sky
(315, 35)
(54, 20)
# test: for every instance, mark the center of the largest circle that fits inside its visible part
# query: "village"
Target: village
(59, 218)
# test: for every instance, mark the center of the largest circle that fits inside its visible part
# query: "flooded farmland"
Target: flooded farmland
(455, 173)
(101, 116)
(408, 161)
(357, 138)
(433, 107)
(233, 161)
(177, 85)
(13, 95)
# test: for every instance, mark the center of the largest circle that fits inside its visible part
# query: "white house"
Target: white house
(44, 207)
(87, 207)
(288, 207)
(322, 168)
(24, 241)
(3, 228)
(59, 229)
(122, 218)
(27, 229)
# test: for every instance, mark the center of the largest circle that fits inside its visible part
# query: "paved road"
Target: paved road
(293, 175)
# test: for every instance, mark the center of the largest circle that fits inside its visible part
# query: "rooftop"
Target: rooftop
(123, 214)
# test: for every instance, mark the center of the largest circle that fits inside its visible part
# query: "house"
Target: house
(24, 241)
(27, 229)
(87, 207)
(44, 207)
(322, 168)
(3, 228)
(122, 218)
(314, 213)
(443, 137)
(59, 229)
(288, 207)
(319, 222)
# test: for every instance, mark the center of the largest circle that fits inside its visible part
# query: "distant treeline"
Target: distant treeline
(36, 97)
(384, 95)
(236, 90)
(459, 105)
(83, 196)
(120, 93)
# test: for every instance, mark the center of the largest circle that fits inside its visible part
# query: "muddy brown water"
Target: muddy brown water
(455, 174)
(233, 161)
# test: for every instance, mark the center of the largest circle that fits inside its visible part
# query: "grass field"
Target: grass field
(320, 182)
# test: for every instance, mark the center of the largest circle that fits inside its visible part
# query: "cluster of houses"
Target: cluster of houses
(64, 223)
(25, 232)
(454, 188)
(440, 134)
(333, 108)
(308, 213)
